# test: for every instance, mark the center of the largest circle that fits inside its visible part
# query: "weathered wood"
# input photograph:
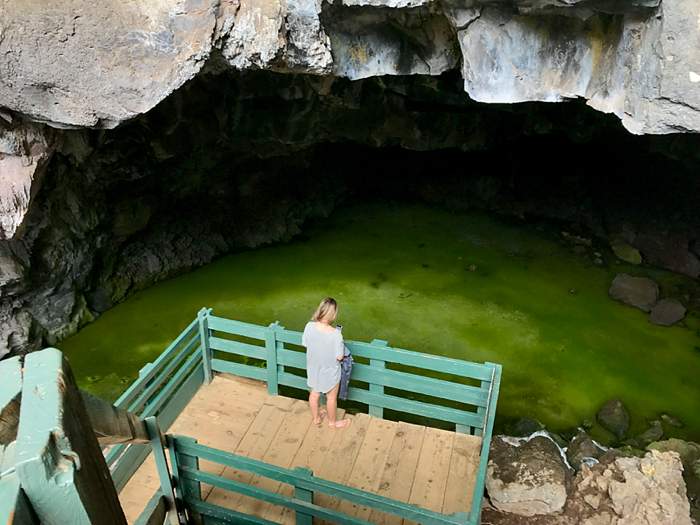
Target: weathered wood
(461, 479)
(203, 318)
(399, 469)
(59, 462)
(428, 489)
(166, 484)
(113, 425)
(10, 395)
(15, 508)
(271, 358)
(374, 386)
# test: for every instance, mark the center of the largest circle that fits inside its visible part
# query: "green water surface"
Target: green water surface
(461, 285)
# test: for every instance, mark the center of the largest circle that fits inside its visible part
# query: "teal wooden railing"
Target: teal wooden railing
(162, 389)
(449, 391)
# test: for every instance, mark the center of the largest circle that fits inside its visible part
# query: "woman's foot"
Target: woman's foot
(340, 424)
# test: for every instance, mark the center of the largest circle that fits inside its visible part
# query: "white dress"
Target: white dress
(322, 352)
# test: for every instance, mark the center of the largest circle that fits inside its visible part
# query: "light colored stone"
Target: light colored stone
(25, 149)
(96, 64)
(527, 479)
(667, 312)
(379, 42)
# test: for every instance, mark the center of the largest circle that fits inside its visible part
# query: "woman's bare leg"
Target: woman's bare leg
(332, 405)
(313, 403)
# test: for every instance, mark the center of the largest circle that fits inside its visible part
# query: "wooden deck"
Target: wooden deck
(432, 468)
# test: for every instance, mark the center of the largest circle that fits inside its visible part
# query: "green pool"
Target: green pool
(461, 285)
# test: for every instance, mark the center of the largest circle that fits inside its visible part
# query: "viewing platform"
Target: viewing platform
(218, 430)
(432, 468)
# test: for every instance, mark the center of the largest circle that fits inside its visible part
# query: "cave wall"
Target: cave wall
(236, 160)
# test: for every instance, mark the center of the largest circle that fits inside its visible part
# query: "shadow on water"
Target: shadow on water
(460, 285)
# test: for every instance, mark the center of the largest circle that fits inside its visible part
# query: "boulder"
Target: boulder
(626, 252)
(640, 292)
(654, 433)
(632, 491)
(527, 479)
(613, 417)
(667, 312)
(95, 64)
(580, 448)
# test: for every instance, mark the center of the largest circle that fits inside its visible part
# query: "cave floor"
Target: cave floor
(432, 468)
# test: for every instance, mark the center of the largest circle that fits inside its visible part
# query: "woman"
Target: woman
(324, 351)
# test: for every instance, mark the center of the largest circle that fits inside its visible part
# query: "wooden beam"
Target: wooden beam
(113, 425)
(58, 460)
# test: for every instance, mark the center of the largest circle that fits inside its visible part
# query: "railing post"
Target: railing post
(186, 490)
(166, 484)
(202, 316)
(304, 495)
(271, 347)
(377, 411)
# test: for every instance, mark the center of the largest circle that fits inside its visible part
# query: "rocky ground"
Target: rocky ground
(544, 479)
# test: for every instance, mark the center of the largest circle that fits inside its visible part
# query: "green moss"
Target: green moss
(399, 274)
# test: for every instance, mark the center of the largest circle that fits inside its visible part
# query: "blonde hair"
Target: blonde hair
(327, 309)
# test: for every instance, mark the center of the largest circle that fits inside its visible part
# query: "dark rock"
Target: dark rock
(671, 420)
(654, 433)
(667, 312)
(581, 447)
(639, 292)
(526, 426)
(669, 251)
(529, 479)
(613, 416)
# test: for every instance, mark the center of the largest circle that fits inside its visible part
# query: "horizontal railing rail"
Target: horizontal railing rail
(187, 453)
(163, 389)
(274, 358)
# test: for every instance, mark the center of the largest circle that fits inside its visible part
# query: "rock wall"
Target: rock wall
(74, 63)
(236, 160)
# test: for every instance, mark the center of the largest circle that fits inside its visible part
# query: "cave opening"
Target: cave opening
(314, 169)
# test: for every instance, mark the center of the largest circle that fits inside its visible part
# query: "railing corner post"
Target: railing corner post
(203, 317)
(305, 495)
(271, 349)
(377, 411)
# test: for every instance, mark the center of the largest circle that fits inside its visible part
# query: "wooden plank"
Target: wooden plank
(55, 440)
(252, 372)
(369, 465)
(219, 414)
(399, 469)
(422, 385)
(10, 395)
(302, 478)
(428, 489)
(340, 461)
(236, 327)
(166, 482)
(461, 478)
(15, 508)
(113, 425)
(376, 386)
(254, 445)
(475, 513)
(203, 321)
(433, 362)
(271, 359)
(281, 453)
(237, 348)
(317, 443)
(419, 408)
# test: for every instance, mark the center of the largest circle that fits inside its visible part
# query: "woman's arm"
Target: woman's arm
(340, 347)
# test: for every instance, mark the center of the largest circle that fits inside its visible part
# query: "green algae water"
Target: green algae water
(460, 285)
